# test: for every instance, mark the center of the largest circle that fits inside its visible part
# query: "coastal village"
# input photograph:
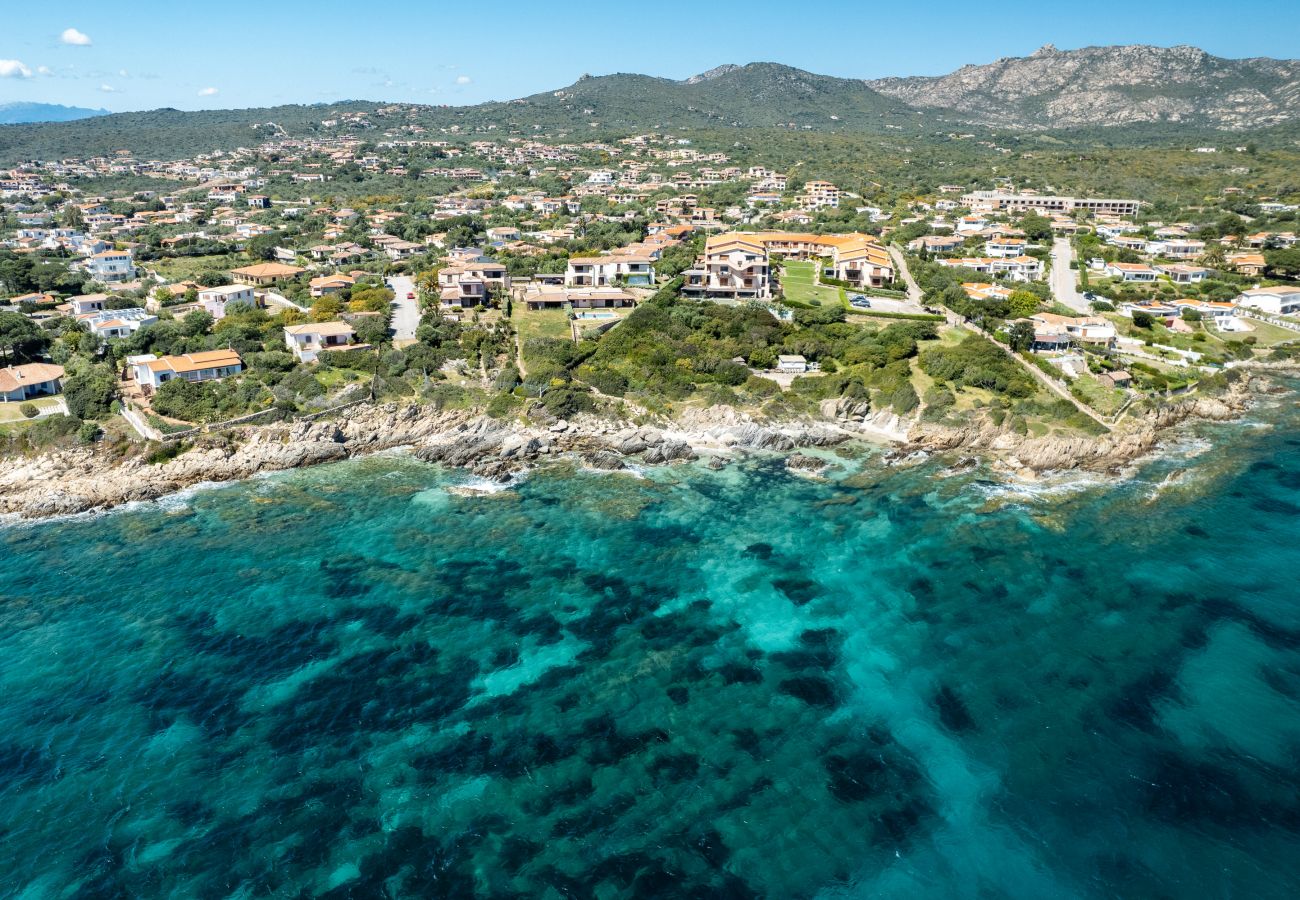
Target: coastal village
(574, 462)
(149, 300)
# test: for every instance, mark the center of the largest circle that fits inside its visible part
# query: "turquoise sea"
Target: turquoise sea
(356, 681)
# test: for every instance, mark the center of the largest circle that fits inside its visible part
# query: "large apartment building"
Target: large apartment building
(734, 265)
(819, 195)
(997, 200)
(739, 264)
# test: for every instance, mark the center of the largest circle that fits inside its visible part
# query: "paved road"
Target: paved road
(406, 311)
(1064, 286)
(913, 289)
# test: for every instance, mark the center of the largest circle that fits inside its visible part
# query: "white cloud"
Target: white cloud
(108, 89)
(209, 92)
(75, 38)
(44, 70)
(12, 68)
(463, 79)
(123, 73)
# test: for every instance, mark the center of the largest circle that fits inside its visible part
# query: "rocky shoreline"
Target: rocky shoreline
(83, 480)
(1111, 452)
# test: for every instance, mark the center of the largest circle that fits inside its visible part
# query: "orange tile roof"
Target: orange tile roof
(15, 377)
(196, 362)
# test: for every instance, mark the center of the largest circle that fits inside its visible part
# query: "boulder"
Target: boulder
(800, 462)
(669, 451)
(604, 459)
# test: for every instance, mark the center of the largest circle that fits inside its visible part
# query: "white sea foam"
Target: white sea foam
(476, 484)
(1050, 486)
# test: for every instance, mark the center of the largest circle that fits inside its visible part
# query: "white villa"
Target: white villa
(601, 271)
(111, 266)
(119, 323)
(216, 299)
(1281, 300)
(307, 341)
(152, 372)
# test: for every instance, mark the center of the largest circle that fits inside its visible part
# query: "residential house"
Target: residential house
(1176, 248)
(1126, 242)
(937, 243)
(600, 271)
(119, 323)
(791, 364)
(38, 299)
(793, 217)
(457, 255)
(1183, 274)
(1281, 300)
(152, 372)
(331, 285)
(862, 263)
(216, 299)
(1093, 330)
(82, 304)
(264, 273)
(1050, 342)
(1005, 248)
(1249, 264)
(1139, 272)
(546, 297)
(1222, 315)
(111, 266)
(467, 284)
(398, 249)
(20, 383)
(979, 291)
(306, 342)
(1019, 268)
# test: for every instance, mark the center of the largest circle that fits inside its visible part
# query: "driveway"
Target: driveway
(1064, 283)
(914, 294)
(274, 299)
(406, 311)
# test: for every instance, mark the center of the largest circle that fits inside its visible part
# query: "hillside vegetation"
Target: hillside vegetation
(1103, 94)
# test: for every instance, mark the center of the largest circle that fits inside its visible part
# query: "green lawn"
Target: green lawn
(546, 323)
(9, 412)
(1265, 335)
(797, 282)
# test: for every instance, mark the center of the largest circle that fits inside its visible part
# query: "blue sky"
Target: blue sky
(148, 54)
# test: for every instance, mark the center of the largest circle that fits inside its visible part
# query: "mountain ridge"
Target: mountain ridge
(1110, 85)
(1117, 91)
(21, 112)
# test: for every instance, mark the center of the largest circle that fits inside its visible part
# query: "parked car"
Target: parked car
(859, 301)
(410, 295)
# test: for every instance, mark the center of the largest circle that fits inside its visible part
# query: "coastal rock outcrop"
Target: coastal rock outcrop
(1132, 439)
(81, 479)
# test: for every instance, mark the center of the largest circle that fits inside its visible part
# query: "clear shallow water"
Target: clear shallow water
(351, 681)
